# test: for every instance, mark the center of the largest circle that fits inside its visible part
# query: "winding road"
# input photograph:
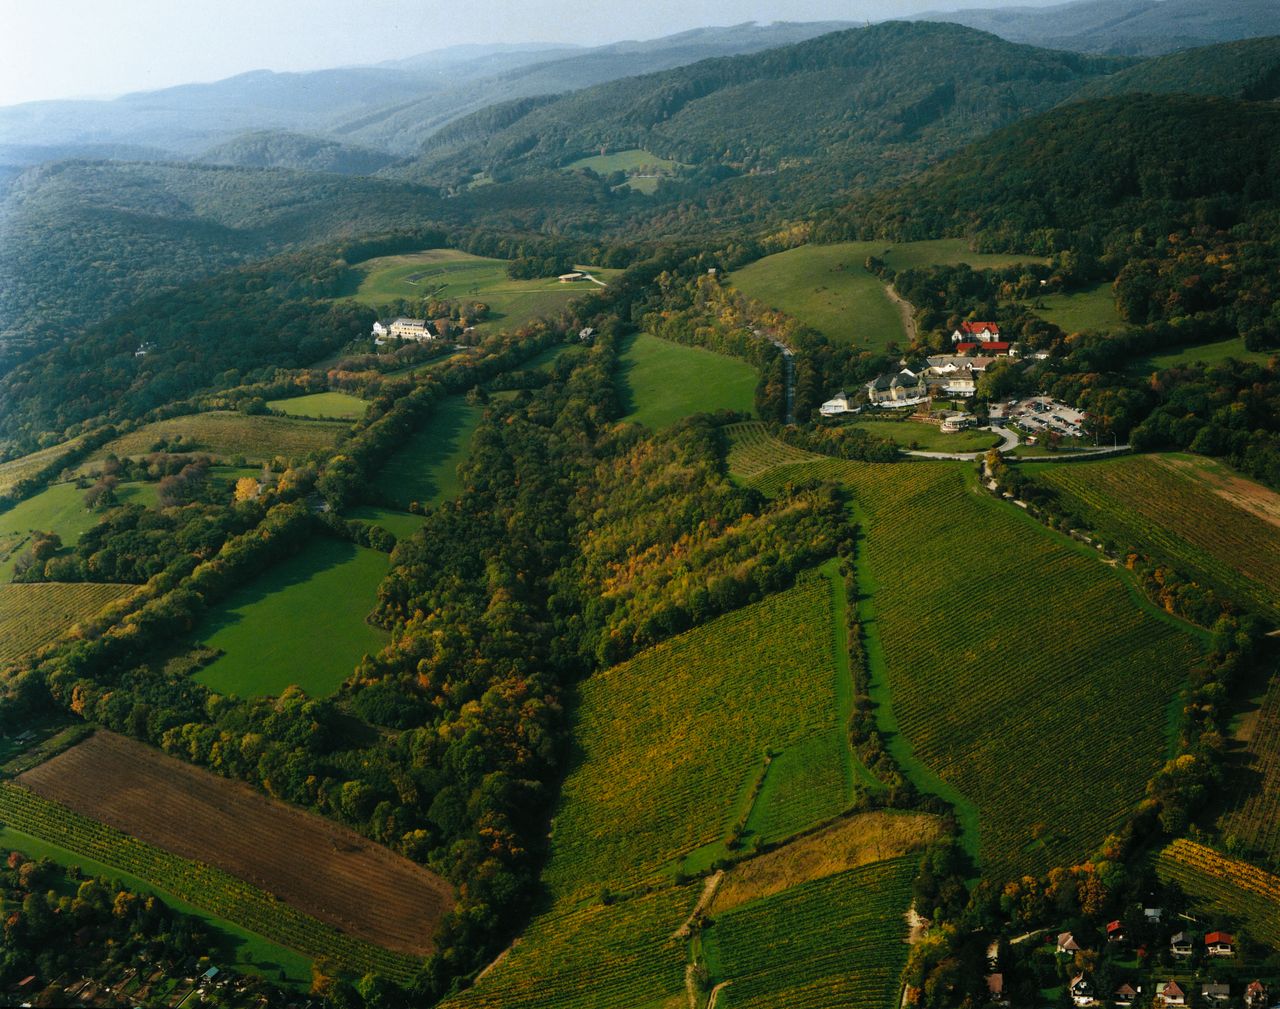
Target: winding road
(1010, 441)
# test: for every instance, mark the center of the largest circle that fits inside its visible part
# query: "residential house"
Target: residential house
(1181, 945)
(1115, 931)
(836, 405)
(1153, 913)
(1124, 995)
(1172, 994)
(981, 332)
(1220, 944)
(586, 334)
(1067, 943)
(379, 329)
(1216, 994)
(903, 389)
(1081, 991)
(1255, 995)
(410, 329)
(955, 420)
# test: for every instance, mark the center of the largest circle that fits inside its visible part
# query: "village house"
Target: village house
(585, 334)
(903, 389)
(981, 332)
(1081, 990)
(1067, 943)
(1172, 994)
(836, 405)
(1255, 995)
(1124, 995)
(1115, 929)
(1220, 944)
(1181, 945)
(995, 988)
(959, 384)
(1216, 994)
(996, 348)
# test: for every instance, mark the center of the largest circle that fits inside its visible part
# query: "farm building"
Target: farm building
(1180, 944)
(1220, 944)
(836, 405)
(1081, 991)
(903, 389)
(996, 348)
(980, 332)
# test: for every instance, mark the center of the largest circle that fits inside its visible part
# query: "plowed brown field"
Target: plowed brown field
(316, 866)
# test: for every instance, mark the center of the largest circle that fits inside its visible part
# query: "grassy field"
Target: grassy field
(916, 434)
(674, 741)
(1253, 814)
(460, 276)
(31, 616)
(301, 622)
(963, 637)
(1186, 510)
(14, 470)
(643, 168)
(662, 382)
(1222, 885)
(426, 468)
(400, 524)
(322, 406)
(247, 950)
(1205, 353)
(1092, 309)
(831, 943)
(827, 288)
(227, 436)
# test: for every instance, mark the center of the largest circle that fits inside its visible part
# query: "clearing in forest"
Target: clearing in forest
(226, 435)
(1188, 511)
(1000, 652)
(315, 866)
(1092, 309)
(32, 616)
(322, 406)
(662, 382)
(425, 468)
(301, 622)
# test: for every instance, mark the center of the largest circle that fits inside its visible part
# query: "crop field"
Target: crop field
(915, 434)
(15, 470)
(621, 956)
(832, 943)
(986, 689)
(1093, 309)
(1254, 816)
(58, 509)
(301, 622)
(425, 469)
(228, 435)
(459, 276)
(673, 740)
(308, 864)
(1205, 353)
(1187, 510)
(662, 382)
(826, 286)
(1226, 886)
(753, 451)
(33, 615)
(322, 406)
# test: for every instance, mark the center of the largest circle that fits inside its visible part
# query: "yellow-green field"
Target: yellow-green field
(425, 469)
(1091, 309)
(228, 435)
(322, 406)
(915, 434)
(643, 169)
(31, 616)
(460, 276)
(15, 470)
(662, 382)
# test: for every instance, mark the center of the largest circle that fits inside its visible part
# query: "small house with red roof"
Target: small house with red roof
(1220, 944)
(1115, 931)
(1067, 943)
(982, 332)
(1255, 995)
(1172, 994)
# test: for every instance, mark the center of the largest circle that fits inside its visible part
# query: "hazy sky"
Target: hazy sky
(100, 48)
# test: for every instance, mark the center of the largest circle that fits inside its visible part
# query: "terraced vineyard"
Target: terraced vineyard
(673, 740)
(833, 943)
(1255, 816)
(31, 616)
(200, 884)
(622, 956)
(1002, 639)
(1226, 886)
(753, 451)
(1189, 511)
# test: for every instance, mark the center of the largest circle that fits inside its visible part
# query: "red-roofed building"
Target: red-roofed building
(1255, 996)
(1172, 994)
(996, 348)
(1220, 944)
(983, 332)
(1115, 931)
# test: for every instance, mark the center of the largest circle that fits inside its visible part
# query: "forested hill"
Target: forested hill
(1117, 162)
(885, 99)
(1248, 70)
(281, 149)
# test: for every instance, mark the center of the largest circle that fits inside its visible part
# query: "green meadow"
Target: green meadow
(662, 382)
(322, 406)
(1205, 353)
(914, 434)
(426, 468)
(399, 524)
(1092, 309)
(301, 622)
(642, 167)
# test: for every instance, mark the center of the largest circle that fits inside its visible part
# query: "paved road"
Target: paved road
(1009, 443)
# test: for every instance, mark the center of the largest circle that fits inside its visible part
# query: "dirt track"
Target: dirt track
(311, 863)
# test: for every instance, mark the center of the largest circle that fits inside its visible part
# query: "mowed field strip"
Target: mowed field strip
(306, 861)
(33, 615)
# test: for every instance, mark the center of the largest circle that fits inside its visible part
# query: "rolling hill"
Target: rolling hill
(281, 149)
(1248, 70)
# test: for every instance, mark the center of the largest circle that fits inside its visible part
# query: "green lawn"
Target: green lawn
(1092, 309)
(322, 406)
(917, 434)
(459, 276)
(642, 167)
(250, 951)
(426, 468)
(301, 622)
(1205, 353)
(400, 524)
(661, 382)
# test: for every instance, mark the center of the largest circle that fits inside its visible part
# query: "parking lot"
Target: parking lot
(1041, 415)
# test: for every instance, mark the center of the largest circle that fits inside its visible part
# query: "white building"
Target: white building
(410, 329)
(976, 332)
(836, 405)
(903, 389)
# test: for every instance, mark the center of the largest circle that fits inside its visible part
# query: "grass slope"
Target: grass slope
(400, 524)
(825, 944)
(1205, 353)
(322, 405)
(425, 469)
(301, 622)
(18, 469)
(228, 435)
(33, 615)
(1092, 309)
(662, 382)
(1000, 643)
(915, 434)
(1187, 510)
